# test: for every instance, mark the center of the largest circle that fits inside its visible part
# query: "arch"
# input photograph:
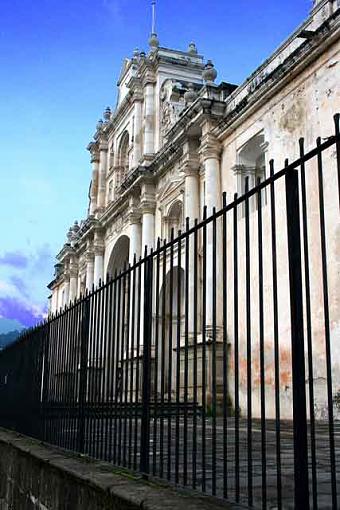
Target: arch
(119, 255)
(252, 158)
(174, 218)
(123, 157)
(168, 309)
(251, 165)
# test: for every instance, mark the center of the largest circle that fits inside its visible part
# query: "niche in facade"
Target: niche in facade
(251, 164)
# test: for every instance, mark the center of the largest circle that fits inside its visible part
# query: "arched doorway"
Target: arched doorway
(170, 324)
(119, 256)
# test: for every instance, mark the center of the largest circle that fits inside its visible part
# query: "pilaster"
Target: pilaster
(89, 268)
(98, 251)
(103, 148)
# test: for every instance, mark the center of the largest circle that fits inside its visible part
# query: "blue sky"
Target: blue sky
(59, 63)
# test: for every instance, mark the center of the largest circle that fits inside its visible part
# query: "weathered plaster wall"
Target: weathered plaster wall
(303, 108)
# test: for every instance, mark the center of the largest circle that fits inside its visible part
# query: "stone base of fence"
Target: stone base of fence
(34, 475)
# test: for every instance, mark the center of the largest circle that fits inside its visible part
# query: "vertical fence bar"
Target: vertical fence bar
(204, 346)
(225, 349)
(276, 341)
(308, 323)
(249, 353)
(327, 325)
(121, 415)
(194, 297)
(132, 351)
(337, 145)
(139, 311)
(301, 491)
(163, 339)
(85, 310)
(213, 361)
(178, 358)
(262, 354)
(236, 356)
(186, 358)
(46, 378)
(146, 388)
(169, 382)
(126, 378)
(155, 374)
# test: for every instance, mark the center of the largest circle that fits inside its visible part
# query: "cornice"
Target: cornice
(292, 66)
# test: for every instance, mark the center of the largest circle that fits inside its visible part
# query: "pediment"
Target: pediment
(169, 189)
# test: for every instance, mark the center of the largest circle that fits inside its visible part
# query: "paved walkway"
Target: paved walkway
(159, 458)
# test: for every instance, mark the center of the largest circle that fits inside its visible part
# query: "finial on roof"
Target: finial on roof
(136, 53)
(153, 24)
(192, 48)
(209, 73)
(107, 113)
(153, 41)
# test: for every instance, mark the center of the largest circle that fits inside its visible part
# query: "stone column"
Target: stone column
(94, 184)
(54, 305)
(149, 117)
(103, 147)
(135, 236)
(66, 289)
(210, 154)
(98, 248)
(137, 129)
(89, 270)
(192, 211)
(148, 226)
(73, 279)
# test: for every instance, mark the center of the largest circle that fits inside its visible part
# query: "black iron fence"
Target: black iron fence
(212, 362)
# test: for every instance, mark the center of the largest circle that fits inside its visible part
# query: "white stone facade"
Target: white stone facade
(177, 140)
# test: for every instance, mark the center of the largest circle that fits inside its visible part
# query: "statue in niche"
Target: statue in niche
(172, 103)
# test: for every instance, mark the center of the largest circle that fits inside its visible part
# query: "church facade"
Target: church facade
(178, 139)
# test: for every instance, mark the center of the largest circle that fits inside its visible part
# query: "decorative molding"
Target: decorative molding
(210, 147)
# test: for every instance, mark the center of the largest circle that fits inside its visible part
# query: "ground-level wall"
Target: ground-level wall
(38, 476)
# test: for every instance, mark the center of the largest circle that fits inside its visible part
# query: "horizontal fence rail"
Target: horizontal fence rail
(212, 362)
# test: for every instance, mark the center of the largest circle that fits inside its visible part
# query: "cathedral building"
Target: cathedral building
(178, 138)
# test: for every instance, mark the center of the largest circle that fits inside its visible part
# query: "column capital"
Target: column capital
(134, 217)
(67, 276)
(94, 157)
(210, 147)
(89, 256)
(148, 206)
(148, 198)
(98, 248)
(103, 145)
(190, 165)
(137, 95)
(73, 271)
(149, 78)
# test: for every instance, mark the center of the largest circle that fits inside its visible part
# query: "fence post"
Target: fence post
(45, 377)
(146, 388)
(301, 495)
(84, 339)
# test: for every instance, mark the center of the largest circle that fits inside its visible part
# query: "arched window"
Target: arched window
(251, 164)
(174, 219)
(123, 158)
